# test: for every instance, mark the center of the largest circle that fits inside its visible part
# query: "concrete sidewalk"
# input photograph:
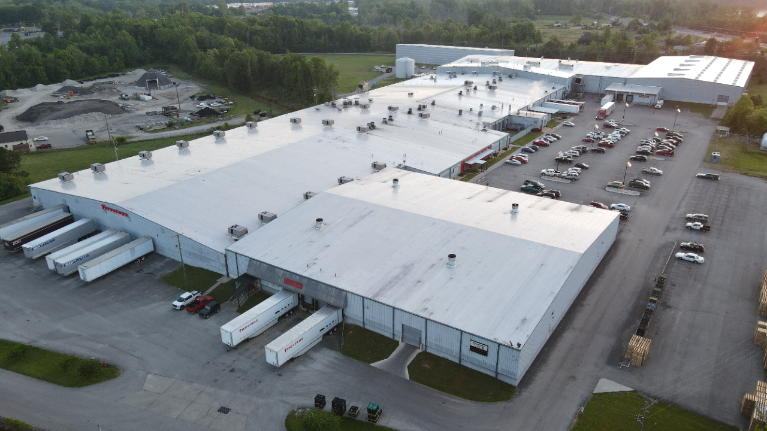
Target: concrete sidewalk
(399, 360)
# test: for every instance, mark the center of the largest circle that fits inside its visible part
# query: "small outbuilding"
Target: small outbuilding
(763, 147)
(153, 80)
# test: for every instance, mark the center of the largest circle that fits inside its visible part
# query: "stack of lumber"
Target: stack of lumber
(763, 297)
(755, 406)
(638, 349)
(760, 335)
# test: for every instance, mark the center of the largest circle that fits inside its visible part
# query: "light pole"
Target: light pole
(110, 136)
(628, 165)
(596, 127)
(675, 115)
(178, 99)
(626, 105)
(183, 269)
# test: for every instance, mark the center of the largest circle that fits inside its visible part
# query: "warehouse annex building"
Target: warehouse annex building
(427, 262)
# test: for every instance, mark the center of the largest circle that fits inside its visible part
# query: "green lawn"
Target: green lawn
(254, 300)
(698, 108)
(52, 367)
(735, 159)
(293, 420)
(44, 165)
(755, 88)
(454, 379)
(199, 279)
(552, 123)
(619, 410)
(513, 146)
(365, 345)
(566, 35)
(354, 68)
(223, 292)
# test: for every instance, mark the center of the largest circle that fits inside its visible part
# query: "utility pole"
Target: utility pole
(110, 136)
(647, 404)
(178, 99)
(675, 115)
(183, 269)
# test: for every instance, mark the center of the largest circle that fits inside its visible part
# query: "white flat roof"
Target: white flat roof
(633, 88)
(391, 245)
(550, 66)
(705, 68)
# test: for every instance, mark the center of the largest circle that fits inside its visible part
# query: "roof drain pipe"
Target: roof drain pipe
(514, 208)
(319, 224)
(451, 260)
(394, 183)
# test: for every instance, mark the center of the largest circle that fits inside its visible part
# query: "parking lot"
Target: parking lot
(702, 357)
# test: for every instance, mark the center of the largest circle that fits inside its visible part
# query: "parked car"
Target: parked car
(535, 183)
(215, 105)
(581, 149)
(694, 246)
(570, 175)
(184, 299)
(568, 124)
(576, 170)
(697, 217)
(513, 161)
(529, 188)
(202, 105)
(690, 257)
(581, 165)
(662, 129)
(519, 159)
(665, 153)
(521, 156)
(564, 159)
(714, 177)
(547, 194)
(644, 151)
(638, 158)
(44, 146)
(652, 171)
(624, 130)
(528, 150)
(615, 184)
(606, 144)
(620, 207)
(551, 172)
(596, 204)
(542, 143)
(572, 153)
(40, 138)
(587, 139)
(599, 150)
(198, 303)
(210, 309)
(642, 180)
(556, 193)
(639, 185)
(698, 226)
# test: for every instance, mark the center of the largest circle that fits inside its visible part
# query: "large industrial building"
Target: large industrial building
(381, 252)
(441, 54)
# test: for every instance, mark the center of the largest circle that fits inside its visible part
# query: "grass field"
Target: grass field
(736, 159)
(565, 35)
(755, 88)
(450, 377)
(198, 279)
(354, 68)
(365, 345)
(619, 410)
(223, 292)
(699, 108)
(254, 300)
(52, 367)
(44, 165)
(293, 421)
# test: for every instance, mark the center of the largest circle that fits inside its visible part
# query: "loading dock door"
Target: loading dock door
(629, 98)
(411, 335)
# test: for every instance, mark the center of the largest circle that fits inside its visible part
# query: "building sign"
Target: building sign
(106, 208)
(295, 284)
(478, 347)
(644, 95)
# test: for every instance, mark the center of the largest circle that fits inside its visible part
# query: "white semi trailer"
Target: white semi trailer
(68, 264)
(259, 318)
(59, 239)
(115, 259)
(302, 337)
(77, 246)
(31, 220)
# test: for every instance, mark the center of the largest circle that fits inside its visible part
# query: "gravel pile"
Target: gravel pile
(49, 111)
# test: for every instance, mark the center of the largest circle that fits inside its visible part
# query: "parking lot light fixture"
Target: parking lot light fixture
(675, 115)
(625, 105)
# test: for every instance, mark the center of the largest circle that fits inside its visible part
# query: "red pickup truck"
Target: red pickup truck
(198, 304)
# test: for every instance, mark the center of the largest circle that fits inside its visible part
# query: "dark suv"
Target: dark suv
(564, 159)
(638, 158)
(535, 183)
(714, 177)
(210, 309)
(639, 185)
(692, 246)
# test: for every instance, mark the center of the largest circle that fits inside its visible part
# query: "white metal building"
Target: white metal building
(633, 93)
(381, 254)
(443, 54)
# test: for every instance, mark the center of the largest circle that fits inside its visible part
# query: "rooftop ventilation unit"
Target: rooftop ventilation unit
(393, 108)
(98, 168)
(145, 155)
(496, 73)
(266, 216)
(409, 94)
(493, 107)
(460, 93)
(460, 112)
(219, 134)
(356, 102)
(475, 72)
(410, 111)
(237, 231)
(309, 195)
(328, 122)
(451, 260)
(362, 129)
(251, 124)
(468, 83)
(423, 115)
(493, 87)
(295, 121)
(395, 183)
(365, 106)
(514, 208)
(372, 125)
(333, 103)
(182, 144)
(319, 224)
(378, 166)
(533, 63)
(479, 114)
(344, 180)
(66, 177)
(391, 118)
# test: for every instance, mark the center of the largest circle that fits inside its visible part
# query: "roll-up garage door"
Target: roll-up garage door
(411, 335)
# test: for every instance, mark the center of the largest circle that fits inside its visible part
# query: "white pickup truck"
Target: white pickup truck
(185, 299)
(698, 226)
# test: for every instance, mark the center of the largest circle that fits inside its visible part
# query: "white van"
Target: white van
(659, 104)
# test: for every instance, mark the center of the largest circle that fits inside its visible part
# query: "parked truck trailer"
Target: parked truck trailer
(303, 336)
(77, 246)
(605, 110)
(68, 264)
(259, 318)
(31, 220)
(115, 259)
(15, 240)
(59, 239)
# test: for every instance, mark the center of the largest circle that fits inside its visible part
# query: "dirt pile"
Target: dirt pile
(48, 111)
(79, 91)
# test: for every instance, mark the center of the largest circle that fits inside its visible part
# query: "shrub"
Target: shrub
(120, 140)
(15, 423)
(18, 352)
(66, 363)
(89, 369)
(318, 420)
(248, 117)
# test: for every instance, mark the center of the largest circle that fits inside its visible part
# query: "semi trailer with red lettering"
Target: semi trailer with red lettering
(259, 318)
(303, 336)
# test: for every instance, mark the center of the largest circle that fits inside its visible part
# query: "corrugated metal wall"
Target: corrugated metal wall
(353, 311)
(443, 340)
(482, 363)
(567, 294)
(508, 364)
(688, 90)
(405, 318)
(312, 288)
(379, 318)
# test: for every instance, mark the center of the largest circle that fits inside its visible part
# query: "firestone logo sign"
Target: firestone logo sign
(248, 325)
(106, 208)
(295, 284)
(294, 344)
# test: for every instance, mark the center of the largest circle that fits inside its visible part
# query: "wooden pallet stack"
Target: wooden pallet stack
(755, 406)
(760, 335)
(638, 349)
(763, 297)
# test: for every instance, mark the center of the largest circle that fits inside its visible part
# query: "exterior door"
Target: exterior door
(619, 97)
(629, 98)
(411, 335)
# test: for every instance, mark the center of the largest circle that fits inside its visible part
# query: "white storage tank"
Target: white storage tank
(405, 67)
(764, 142)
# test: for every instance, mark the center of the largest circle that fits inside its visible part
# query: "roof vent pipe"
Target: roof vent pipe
(451, 260)
(395, 183)
(319, 224)
(514, 208)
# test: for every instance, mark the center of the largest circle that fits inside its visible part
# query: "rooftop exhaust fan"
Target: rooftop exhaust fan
(266, 216)
(182, 144)
(219, 134)
(378, 166)
(251, 124)
(363, 129)
(97, 168)
(344, 180)
(309, 195)
(66, 177)
(295, 120)
(237, 231)
(145, 155)
(328, 122)
(424, 115)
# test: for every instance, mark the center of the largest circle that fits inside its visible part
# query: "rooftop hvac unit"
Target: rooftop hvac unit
(365, 106)
(237, 231)
(356, 102)
(493, 87)
(362, 129)
(327, 122)
(333, 103)
(145, 155)
(295, 121)
(219, 134)
(460, 93)
(410, 110)
(424, 115)
(496, 73)
(372, 125)
(468, 83)
(393, 108)
(475, 72)
(251, 124)
(66, 177)
(344, 180)
(98, 168)
(378, 166)
(266, 216)
(433, 103)
(479, 114)
(309, 195)
(182, 144)
(409, 94)
(391, 118)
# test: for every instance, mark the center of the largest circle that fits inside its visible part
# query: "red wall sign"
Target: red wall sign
(104, 207)
(295, 284)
